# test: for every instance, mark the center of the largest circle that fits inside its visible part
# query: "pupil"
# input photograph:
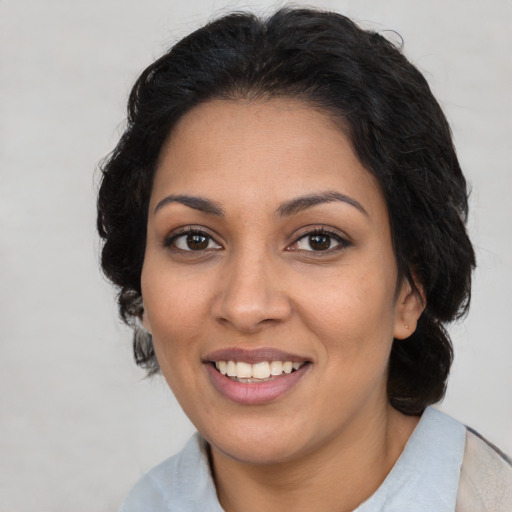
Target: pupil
(197, 242)
(319, 242)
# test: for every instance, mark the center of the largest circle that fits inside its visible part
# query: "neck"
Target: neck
(337, 476)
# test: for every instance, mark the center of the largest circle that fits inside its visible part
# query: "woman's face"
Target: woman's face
(268, 244)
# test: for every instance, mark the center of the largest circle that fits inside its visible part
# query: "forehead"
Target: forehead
(254, 150)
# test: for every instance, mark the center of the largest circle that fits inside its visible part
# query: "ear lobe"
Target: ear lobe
(409, 307)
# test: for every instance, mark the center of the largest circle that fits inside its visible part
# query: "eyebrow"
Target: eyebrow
(197, 203)
(302, 203)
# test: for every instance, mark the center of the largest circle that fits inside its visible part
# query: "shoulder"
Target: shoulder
(486, 477)
(182, 482)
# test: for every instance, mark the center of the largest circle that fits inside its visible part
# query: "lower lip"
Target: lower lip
(257, 392)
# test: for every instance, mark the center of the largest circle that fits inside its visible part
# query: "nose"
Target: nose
(250, 295)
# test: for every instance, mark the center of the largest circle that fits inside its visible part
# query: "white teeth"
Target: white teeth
(276, 368)
(263, 370)
(243, 370)
(231, 369)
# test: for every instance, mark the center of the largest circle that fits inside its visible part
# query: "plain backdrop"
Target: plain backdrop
(78, 422)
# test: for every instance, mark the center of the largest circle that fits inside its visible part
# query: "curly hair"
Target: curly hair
(395, 125)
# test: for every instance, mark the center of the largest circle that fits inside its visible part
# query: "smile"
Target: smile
(255, 377)
(258, 372)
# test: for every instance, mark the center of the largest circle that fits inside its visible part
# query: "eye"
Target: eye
(192, 241)
(320, 241)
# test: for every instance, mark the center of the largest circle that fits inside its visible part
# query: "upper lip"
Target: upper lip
(253, 355)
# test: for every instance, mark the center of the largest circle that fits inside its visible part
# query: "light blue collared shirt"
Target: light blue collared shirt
(424, 479)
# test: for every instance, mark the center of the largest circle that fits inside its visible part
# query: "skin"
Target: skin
(330, 441)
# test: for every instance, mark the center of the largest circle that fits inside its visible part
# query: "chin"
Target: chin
(263, 443)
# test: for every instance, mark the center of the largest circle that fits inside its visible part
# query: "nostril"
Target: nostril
(251, 310)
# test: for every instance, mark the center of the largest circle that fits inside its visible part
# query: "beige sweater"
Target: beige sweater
(485, 483)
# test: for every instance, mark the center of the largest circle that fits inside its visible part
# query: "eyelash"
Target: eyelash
(341, 242)
(170, 241)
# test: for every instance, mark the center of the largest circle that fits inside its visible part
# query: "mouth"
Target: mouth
(254, 377)
(263, 371)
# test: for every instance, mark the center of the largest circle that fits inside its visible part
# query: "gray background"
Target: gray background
(78, 422)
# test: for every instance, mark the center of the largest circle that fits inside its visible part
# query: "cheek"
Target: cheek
(351, 301)
(175, 316)
(167, 288)
(353, 317)
(175, 307)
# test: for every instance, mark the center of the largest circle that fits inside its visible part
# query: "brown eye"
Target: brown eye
(193, 241)
(319, 242)
(197, 242)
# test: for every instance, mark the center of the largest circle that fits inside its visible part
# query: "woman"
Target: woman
(284, 217)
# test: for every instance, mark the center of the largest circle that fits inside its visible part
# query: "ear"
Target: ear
(409, 306)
